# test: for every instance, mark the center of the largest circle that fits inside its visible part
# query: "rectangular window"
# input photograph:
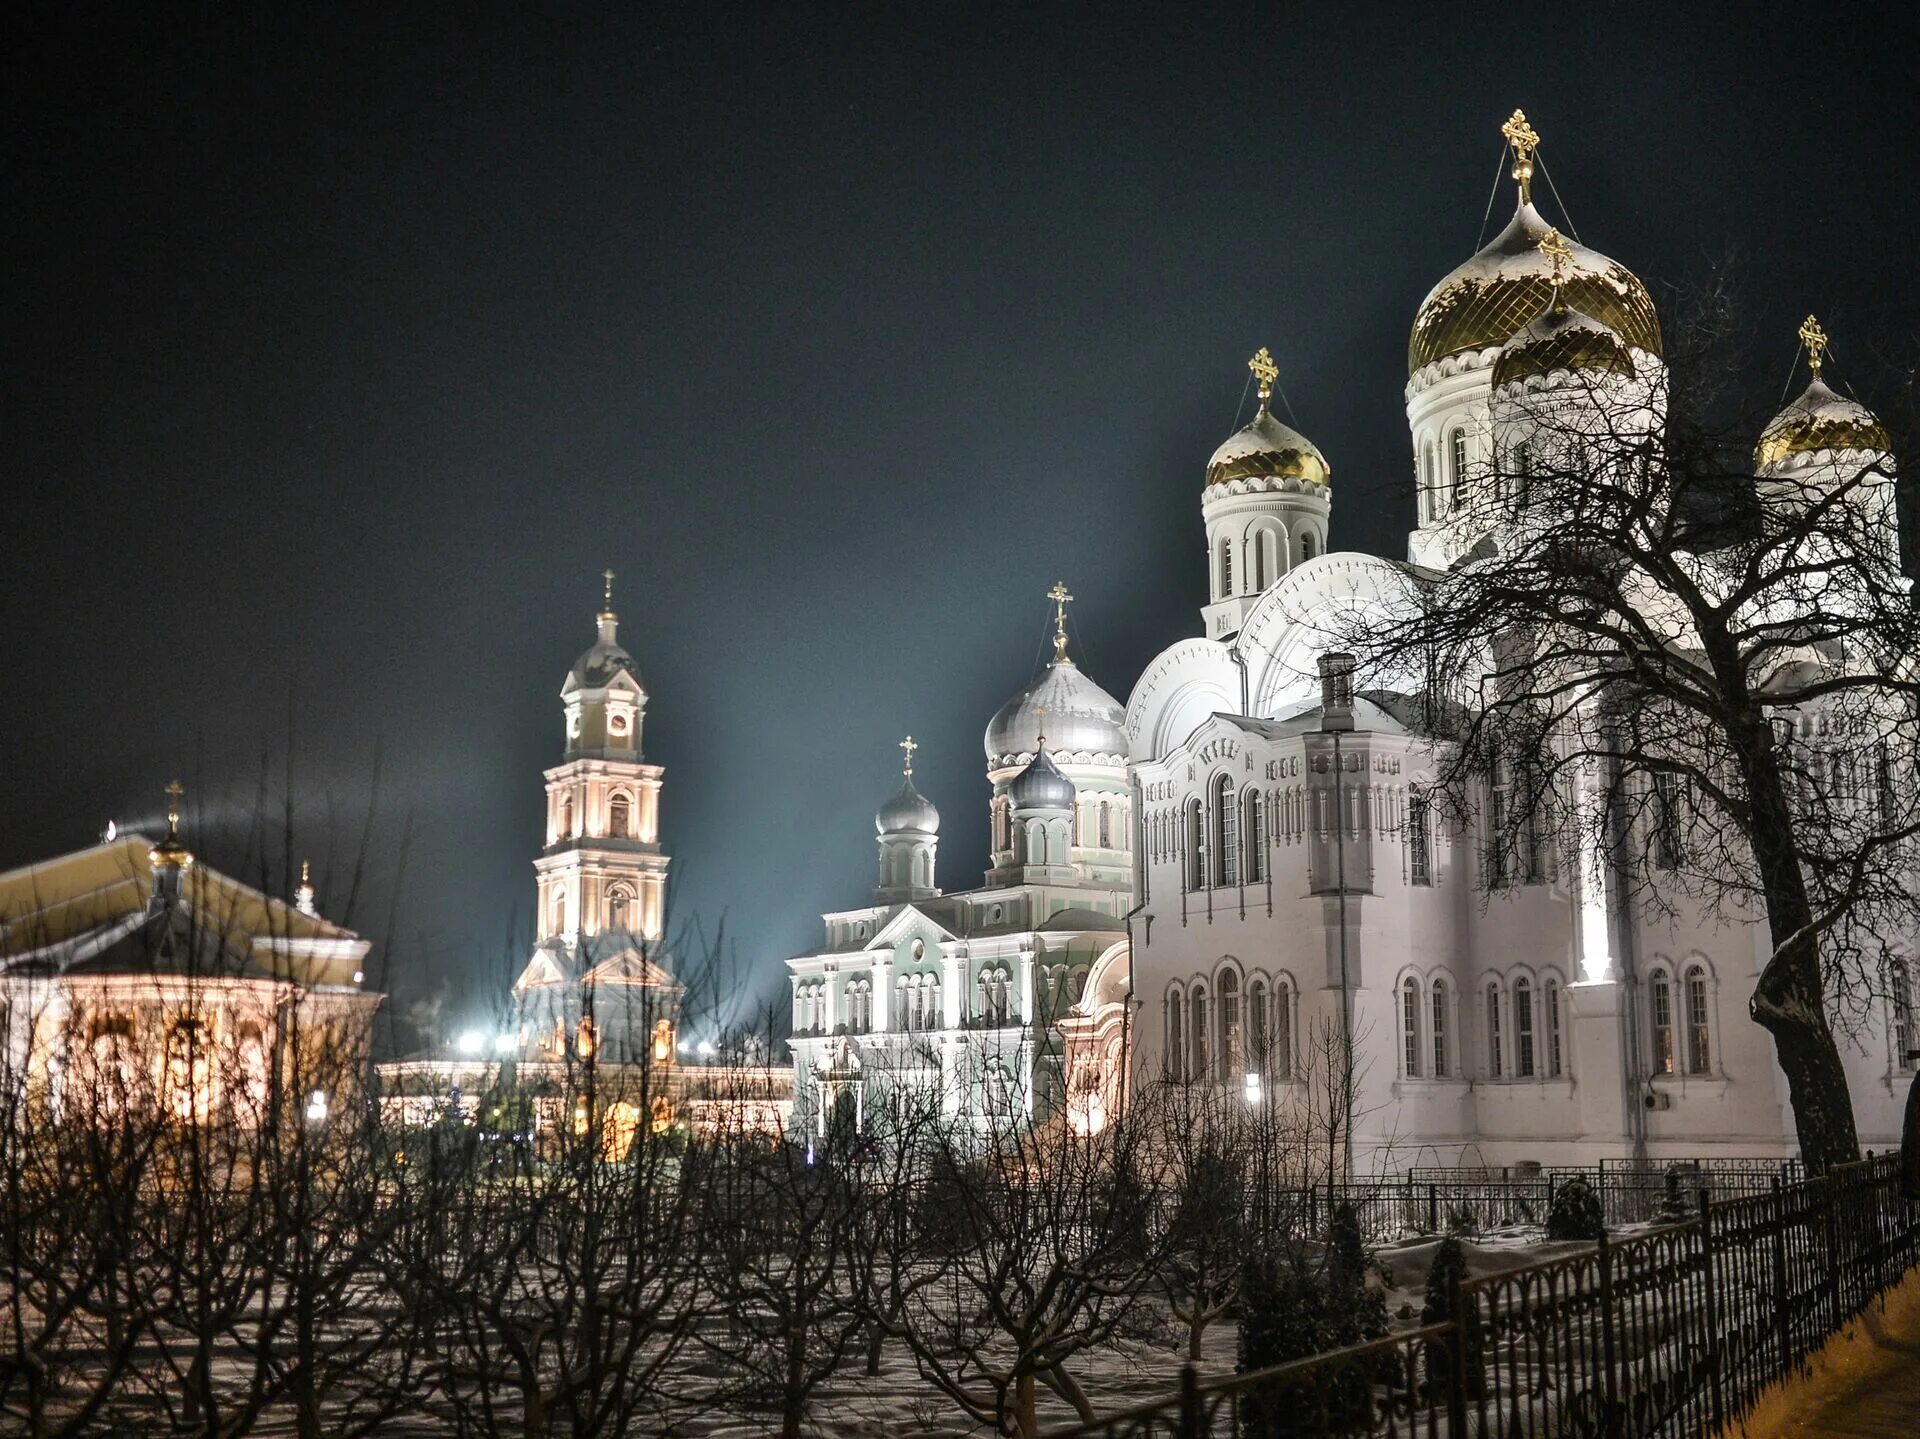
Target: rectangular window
(1886, 798)
(1419, 851)
(1901, 984)
(1497, 838)
(1669, 799)
(1410, 1024)
(1439, 1031)
(1496, 1059)
(1229, 821)
(1698, 1060)
(1256, 837)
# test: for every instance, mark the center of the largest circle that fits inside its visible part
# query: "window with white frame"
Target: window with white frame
(1196, 846)
(1231, 1055)
(1496, 1039)
(1198, 1066)
(1556, 1056)
(1523, 1056)
(1419, 851)
(1900, 1013)
(1256, 836)
(620, 817)
(1226, 567)
(1176, 1035)
(1439, 1029)
(1259, 1025)
(1280, 1044)
(1699, 1012)
(1660, 1016)
(1668, 833)
(1226, 833)
(1410, 1027)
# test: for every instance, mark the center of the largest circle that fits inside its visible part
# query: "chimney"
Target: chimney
(1336, 691)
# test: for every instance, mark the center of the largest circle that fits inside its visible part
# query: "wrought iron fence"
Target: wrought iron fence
(1668, 1333)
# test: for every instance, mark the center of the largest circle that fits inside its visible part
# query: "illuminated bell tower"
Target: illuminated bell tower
(603, 870)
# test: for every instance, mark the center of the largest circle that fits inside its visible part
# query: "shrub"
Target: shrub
(1575, 1212)
(1449, 1271)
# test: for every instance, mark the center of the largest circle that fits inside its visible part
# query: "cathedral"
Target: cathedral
(1200, 887)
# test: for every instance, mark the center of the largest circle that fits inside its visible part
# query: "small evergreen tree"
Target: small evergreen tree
(1444, 1279)
(1576, 1212)
(1282, 1316)
(1354, 1311)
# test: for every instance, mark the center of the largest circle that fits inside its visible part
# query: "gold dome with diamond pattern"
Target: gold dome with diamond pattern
(1819, 419)
(1507, 283)
(1267, 449)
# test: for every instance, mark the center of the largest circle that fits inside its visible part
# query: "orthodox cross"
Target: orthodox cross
(606, 594)
(909, 746)
(1525, 140)
(1266, 372)
(1558, 252)
(174, 791)
(1061, 599)
(1815, 339)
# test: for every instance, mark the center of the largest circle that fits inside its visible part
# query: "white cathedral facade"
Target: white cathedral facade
(1244, 860)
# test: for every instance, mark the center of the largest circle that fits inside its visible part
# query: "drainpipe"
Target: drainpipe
(1336, 718)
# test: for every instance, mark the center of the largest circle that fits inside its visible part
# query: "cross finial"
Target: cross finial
(1061, 599)
(174, 790)
(1815, 340)
(909, 746)
(606, 592)
(1266, 372)
(1525, 140)
(1558, 252)
(1040, 714)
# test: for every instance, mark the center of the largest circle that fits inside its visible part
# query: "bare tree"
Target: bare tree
(1687, 668)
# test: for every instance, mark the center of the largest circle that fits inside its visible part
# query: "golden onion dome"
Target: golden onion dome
(1561, 338)
(1820, 419)
(1267, 450)
(1509, 282)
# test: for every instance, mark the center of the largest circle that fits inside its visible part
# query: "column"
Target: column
(882, 999)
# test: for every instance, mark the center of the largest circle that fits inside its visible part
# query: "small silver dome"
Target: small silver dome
(908, 812)
(600, 663)
(1074, 713)
(1041, 786)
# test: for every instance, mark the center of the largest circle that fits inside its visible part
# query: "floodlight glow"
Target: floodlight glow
(317, 1107)
(706, 1047)
(503, 1044)
(471, 1041)
(1253, 1089)
(112, 832)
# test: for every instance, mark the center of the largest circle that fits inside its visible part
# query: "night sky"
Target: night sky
(345, 352)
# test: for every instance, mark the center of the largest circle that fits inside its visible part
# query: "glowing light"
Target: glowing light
(503, 1044)
(359, 976)
(471, 1041)
(112, 832)
(706, 1048)
(317, 1107)
(1253, 1089)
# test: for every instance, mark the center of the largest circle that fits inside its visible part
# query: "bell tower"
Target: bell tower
(602, 870)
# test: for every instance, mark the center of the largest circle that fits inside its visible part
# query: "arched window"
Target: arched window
(1258, 1025)
(1556, 1051)
(586, 1040)
(1226, 833)
(1280, 1049)
(1106, 825)
(1900, 1032)
(1439, 1030)
(1309, 545)
(1036, 843)
(1256, 836)
(1232, 1058)
(1522, 476)
(1419, 846)
(1496, 1040)
(1197, 1067)
(1699, 1060)
(1457, 456)
(1523, 1065)
(1226, 567)
(1259, 561)
(566, 818)
(620, 817)
(1176, 1035)
(1410, 1026)
(617, 902)
(1429, 487)
(1660, 1012)
(1196, 848)
(559, 911)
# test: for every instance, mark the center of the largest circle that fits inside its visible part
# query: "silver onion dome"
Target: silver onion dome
(1041, 786)
(1075, 714)
(908, 812)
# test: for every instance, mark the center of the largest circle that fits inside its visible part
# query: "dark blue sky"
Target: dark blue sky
(346, 347)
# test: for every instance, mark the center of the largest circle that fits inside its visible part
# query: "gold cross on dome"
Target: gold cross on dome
(1061, 599)
(1558, 252)
(1525, 140)
(1266, 372)
(1815, 339)
(909, 746)
(174, 791)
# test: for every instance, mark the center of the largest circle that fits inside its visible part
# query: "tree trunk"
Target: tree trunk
(875, 1336)
(793, 1396)
(1025, 1423)
(1789, 1001)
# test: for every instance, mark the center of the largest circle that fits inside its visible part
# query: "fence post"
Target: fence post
(1785, 1320)
(1610, 1417)
(1191, 1418)
(1715, 1340)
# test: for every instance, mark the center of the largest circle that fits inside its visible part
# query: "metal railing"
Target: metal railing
(1668, 1333)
